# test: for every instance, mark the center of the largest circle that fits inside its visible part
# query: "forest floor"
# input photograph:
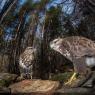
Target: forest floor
(10, 84)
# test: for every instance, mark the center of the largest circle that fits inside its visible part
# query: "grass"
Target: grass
(62, 76)
(5, 83)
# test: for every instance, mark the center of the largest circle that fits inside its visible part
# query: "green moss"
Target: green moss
(4, 83)
(6, 79)
(62, 76)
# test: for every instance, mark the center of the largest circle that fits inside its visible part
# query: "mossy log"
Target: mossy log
(75, 91)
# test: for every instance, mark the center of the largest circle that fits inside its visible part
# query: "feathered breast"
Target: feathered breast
(27, 58)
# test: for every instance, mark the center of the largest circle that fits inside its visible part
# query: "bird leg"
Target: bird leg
(31, 72)
(73, 77)
(31, 76)
(21, 76)
(27, 73)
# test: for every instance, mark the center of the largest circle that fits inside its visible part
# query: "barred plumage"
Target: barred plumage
(26, 61)
(80, 50)
(74, 46)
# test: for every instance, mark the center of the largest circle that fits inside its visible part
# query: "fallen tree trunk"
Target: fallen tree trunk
(4, 90)
(34, 87)
(75, 91)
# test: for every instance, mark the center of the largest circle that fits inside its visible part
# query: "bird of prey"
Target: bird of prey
(79, 50)
(26, 61)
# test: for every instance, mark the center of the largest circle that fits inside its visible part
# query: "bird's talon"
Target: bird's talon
(68, 83)
(71, 79)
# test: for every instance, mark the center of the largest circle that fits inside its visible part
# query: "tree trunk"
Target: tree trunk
(7, 7)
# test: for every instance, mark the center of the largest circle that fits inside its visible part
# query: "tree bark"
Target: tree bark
(6, 9)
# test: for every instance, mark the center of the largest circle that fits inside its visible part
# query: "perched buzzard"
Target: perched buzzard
(26, 61)
(79, 50)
